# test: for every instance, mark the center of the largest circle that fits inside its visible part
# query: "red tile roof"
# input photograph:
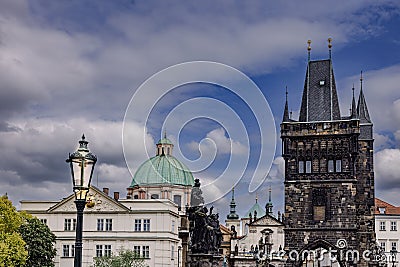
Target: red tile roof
(389, 209)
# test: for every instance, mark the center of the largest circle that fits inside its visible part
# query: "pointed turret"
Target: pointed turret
(269, 205)
(319, 101)
(232, 214)
(363, 115)
(286, 117)
(353, 110)
(362, 109)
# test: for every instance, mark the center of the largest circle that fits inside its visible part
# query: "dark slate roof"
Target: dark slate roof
(319, 102)
(362, 109)
(286, 113)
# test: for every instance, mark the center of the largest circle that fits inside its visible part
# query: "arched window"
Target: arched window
(178, 200)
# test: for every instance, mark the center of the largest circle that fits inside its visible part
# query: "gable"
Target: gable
(267, 221)
(97, 202)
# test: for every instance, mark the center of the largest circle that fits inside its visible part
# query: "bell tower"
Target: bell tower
(329, 179)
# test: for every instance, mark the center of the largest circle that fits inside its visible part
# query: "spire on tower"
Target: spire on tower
(353, 109)
(232, 214)
(286, 117)
(362, 109)
(330, 47)
(269, 205)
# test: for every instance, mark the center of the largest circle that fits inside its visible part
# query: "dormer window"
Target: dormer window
(382, 210)
(321, 82)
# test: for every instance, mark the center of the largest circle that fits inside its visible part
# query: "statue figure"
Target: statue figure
(204, 230)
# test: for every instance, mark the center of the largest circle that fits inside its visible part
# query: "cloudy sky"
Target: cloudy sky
(72, 67)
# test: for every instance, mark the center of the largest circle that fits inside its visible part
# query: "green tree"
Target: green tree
(125, 258)
(12, 246)
(39, 241)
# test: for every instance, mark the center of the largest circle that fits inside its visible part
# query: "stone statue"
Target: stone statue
(204, 230)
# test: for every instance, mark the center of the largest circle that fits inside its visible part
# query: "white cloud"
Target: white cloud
(387, 169)
(216, 140)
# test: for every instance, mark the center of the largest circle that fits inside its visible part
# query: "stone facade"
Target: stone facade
(329, 179)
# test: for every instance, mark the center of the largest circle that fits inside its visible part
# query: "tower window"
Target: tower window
(330, 165)
(308, 166)
(301, 166)
(321, 83)
(319, 204)
(338, 165)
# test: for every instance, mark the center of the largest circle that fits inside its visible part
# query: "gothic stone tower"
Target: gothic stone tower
(329, 179)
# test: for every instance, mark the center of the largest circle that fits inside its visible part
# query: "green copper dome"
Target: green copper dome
(162, 169)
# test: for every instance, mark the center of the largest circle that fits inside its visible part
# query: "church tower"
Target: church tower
(329, 179)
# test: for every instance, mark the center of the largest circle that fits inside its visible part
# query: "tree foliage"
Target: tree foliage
(125, 258)
(39, 242)
(24, 239)
(12, 246)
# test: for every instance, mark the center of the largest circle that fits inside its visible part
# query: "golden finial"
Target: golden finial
(329, 42)
(256, 197)
(361, 77)
(309, 45)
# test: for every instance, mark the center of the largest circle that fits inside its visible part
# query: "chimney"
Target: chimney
(106, 190)
(116, 196)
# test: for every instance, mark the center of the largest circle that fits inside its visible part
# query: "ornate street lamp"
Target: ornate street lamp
(393, 253)
(82, 164)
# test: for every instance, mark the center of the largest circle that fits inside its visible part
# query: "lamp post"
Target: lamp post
(82, 164)
(393, 253)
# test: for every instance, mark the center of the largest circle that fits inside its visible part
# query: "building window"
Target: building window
(44, 221)
(319, 204)
(146, 252)
(108, 224)
(338, 165)
(394, 245)
(301, 166)
(383, 246)
(382, 226)
(99, 251)
(172, 252)
(146, 225)
(107, 250)
(178, 200)
(382, 210)
(138, 225)
(330, 165)
(136, 250)
(69, 224)
(308, 166)
(393, 226)
(173, 226)
(100, 224)
(154, 196)
(68, 250)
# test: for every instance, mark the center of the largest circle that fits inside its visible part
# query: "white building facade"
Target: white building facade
(147, 221)
(387, 223)
(147, 226)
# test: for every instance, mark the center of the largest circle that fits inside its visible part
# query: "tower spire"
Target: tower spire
(232, 214)
(353, 109)
(269, 205)
(330, 47)
(309, 50)
(286, 117)
(362, 109)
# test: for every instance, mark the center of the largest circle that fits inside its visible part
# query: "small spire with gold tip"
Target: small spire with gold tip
(330, 47)
(309, 49)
